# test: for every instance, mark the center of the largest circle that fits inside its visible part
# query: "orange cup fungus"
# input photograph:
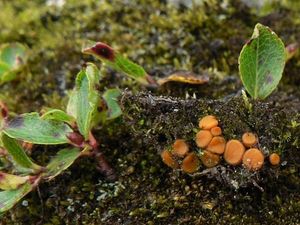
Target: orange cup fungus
(190, 163)
(216, 131)
(234, 152)
(210, 159)
(169, 159)
(180, 148)
(274, 159)
(253, 159)
(208, 122)
(203, 138)
(209, 139)
(217, 145)
(249, 139)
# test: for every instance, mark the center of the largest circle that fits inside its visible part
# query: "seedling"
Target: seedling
(12, 58)
(55, 127)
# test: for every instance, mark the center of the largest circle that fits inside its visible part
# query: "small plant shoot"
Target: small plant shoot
(54, 127)
(261, 62)
(117, 61)
(12, 57)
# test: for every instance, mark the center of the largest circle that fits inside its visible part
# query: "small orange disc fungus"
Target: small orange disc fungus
(274, 159)
(180, 148)
(208, 122)
(234, 152)
(249, 139)
(209, 159)
(253, 159)
(217, 145)
(216, 131)
(190, 163)
(168, 159)
(203, 138)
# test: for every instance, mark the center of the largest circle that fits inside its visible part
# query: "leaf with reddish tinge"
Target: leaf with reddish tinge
(110, 97)
(120, 63)
(9, 181)
(30, 127)
(63, 159)
(9, 198)
(261, 62)
(18, 154)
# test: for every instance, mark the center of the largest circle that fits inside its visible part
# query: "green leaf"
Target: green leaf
(30, 127)
(8, 76)
(115, 60)
(58, 115)
(85, 98)
(6, 73)
(14, 55)
(9, 181)
(261, 62)
(10, 197)
(72, 103)
(18, 154)
(110, 96)
(62, 161)
(3, 68)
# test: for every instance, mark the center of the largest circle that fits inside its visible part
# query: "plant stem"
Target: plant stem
(102, 165)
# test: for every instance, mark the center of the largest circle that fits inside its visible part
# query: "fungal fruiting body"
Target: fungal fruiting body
(249, 139)
(234, 152)
(217, 145)
(190, 163)
(210, 159)
(180, 148)
(253, 159)
(208, 122)
(214, 147)
(274, 159)
(179, 157)
(203, 138)
(168, 159)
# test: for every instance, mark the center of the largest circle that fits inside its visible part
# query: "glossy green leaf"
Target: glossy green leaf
(85, 98)
(9, 198)
(9, 181)
(30, 127)
(58, 115)
(261, 62)
(62, 161)
(111, 98)
(115, 60)
(13, 55)
(18, 154)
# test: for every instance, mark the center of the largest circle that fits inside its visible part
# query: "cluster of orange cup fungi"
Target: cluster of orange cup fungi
(214, 147)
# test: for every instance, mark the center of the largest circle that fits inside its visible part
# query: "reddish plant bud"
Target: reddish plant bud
(75, 138)
(3, 110)
(101, 50)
